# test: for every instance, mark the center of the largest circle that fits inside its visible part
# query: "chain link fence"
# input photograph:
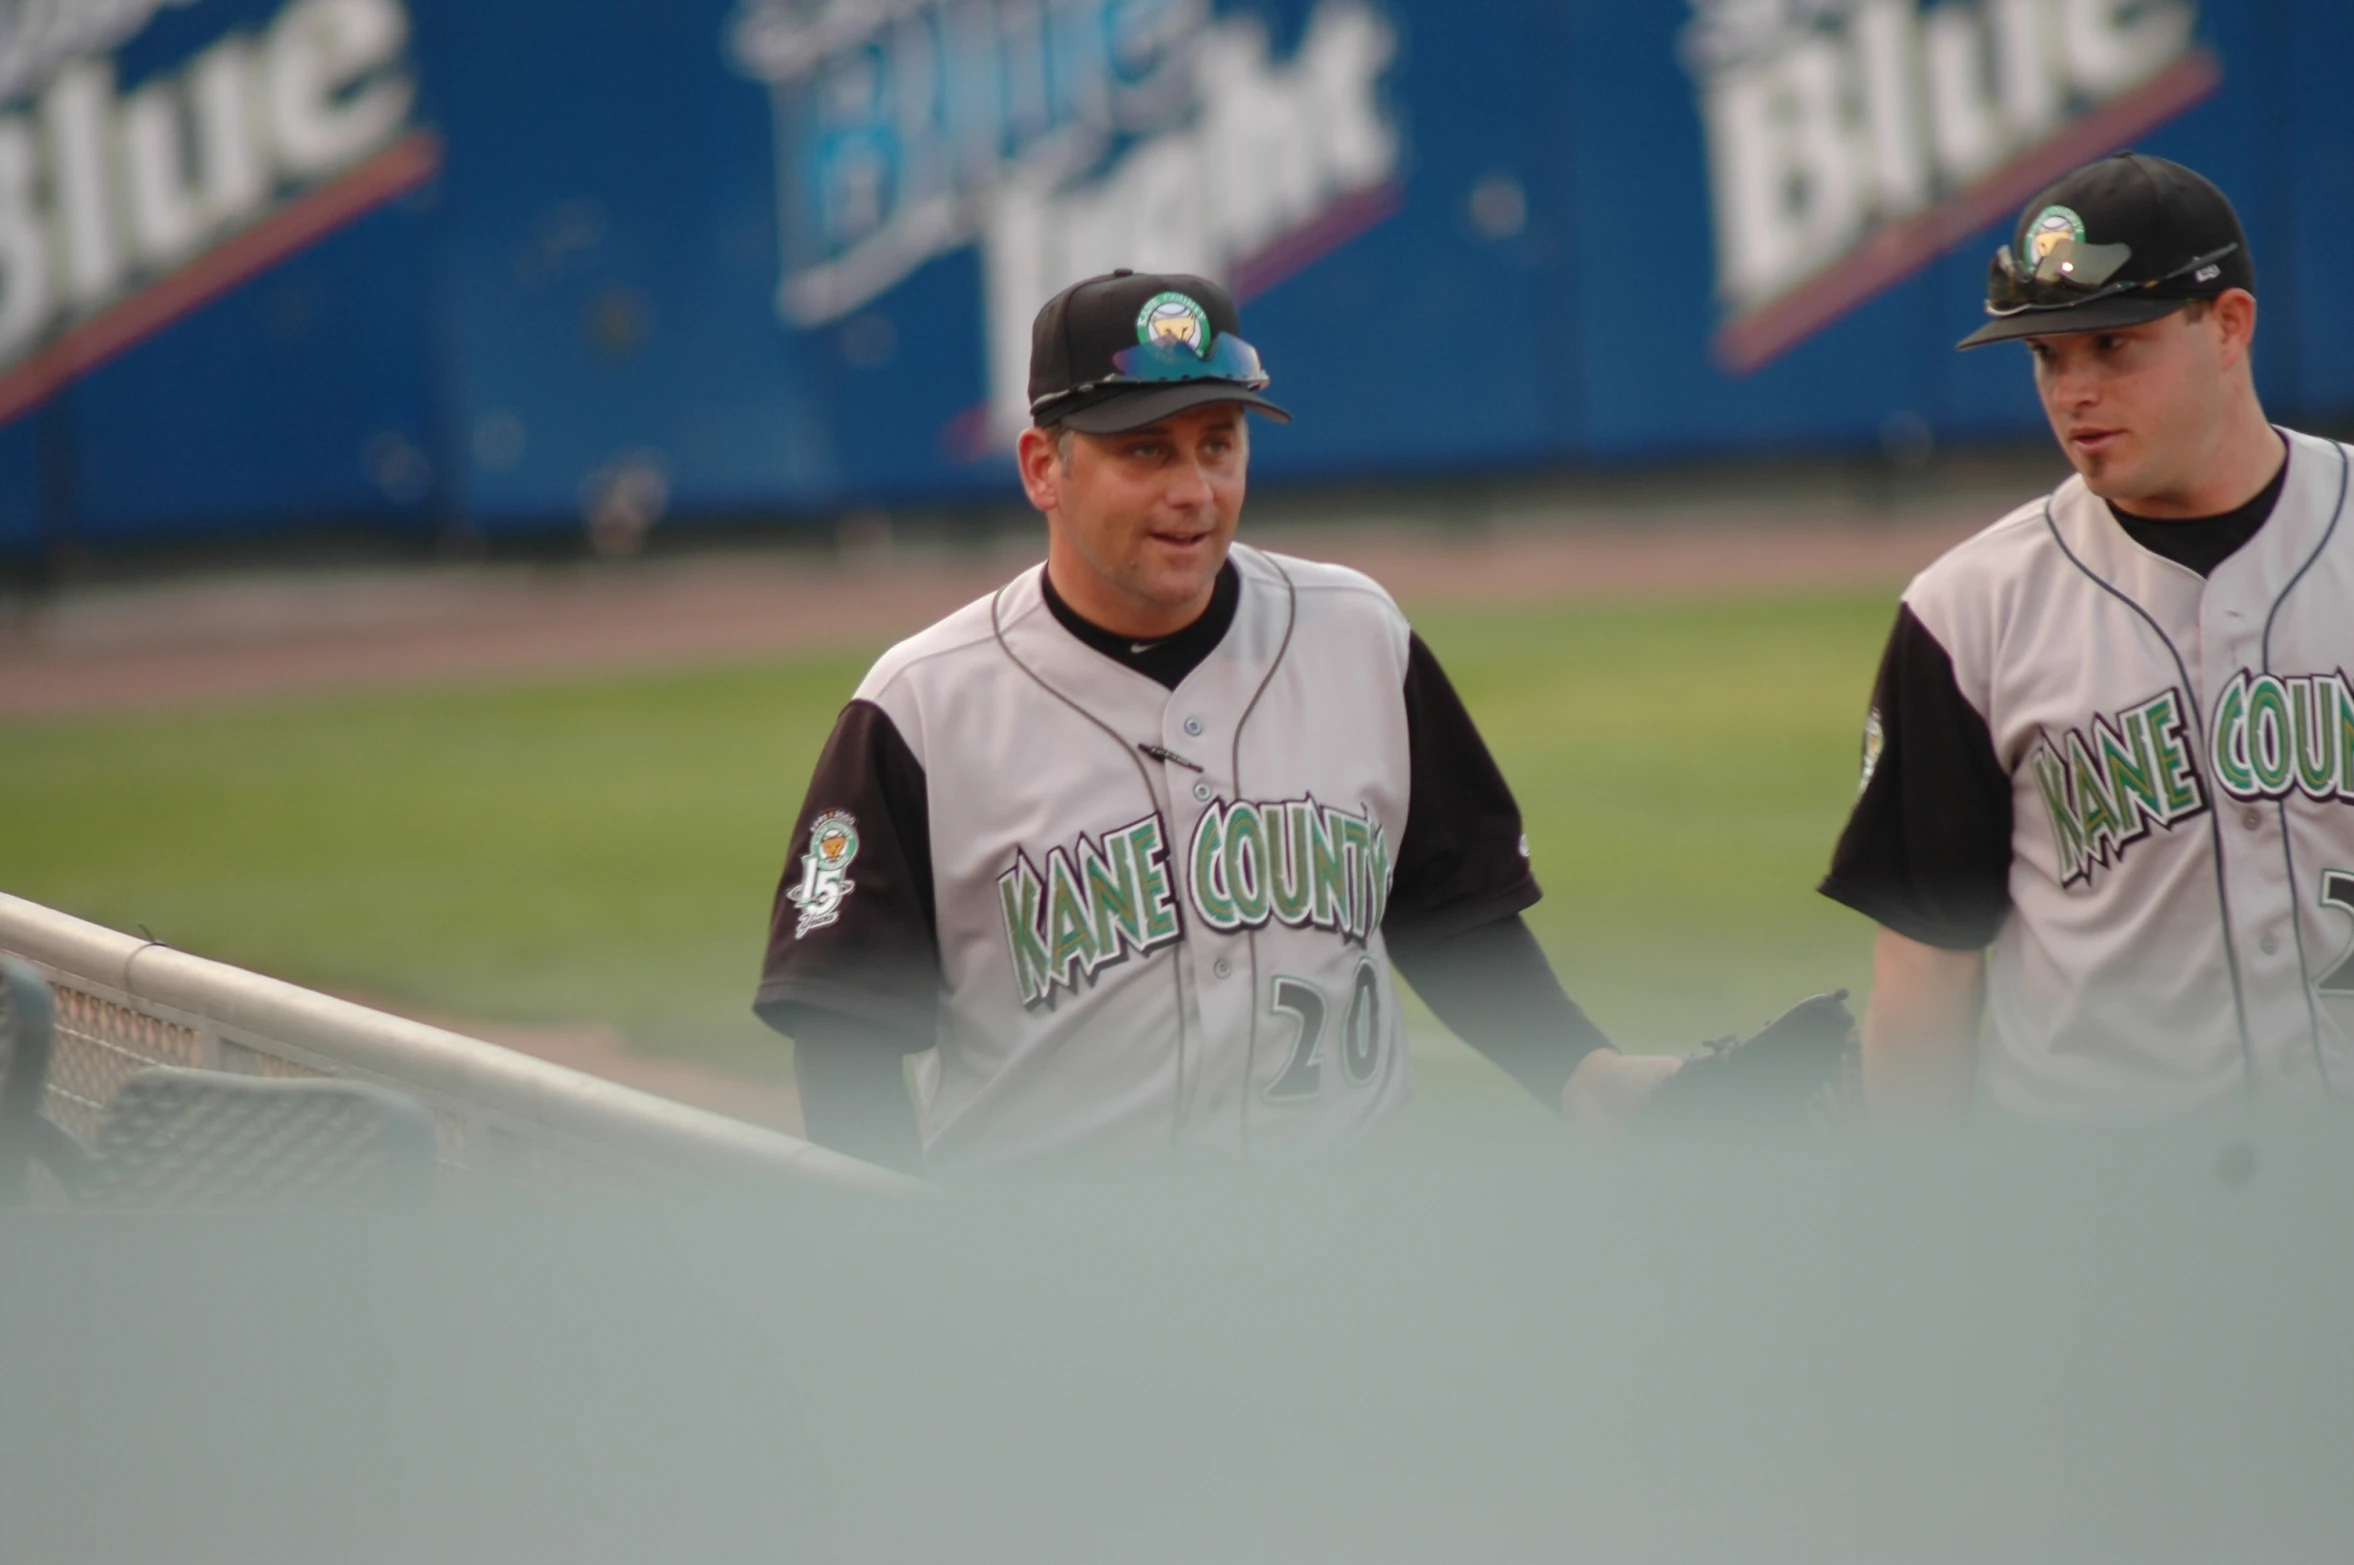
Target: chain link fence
(500, 1118)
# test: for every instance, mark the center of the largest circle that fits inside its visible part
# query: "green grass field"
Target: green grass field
(607, 851)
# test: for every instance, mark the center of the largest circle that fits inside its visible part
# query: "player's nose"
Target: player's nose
(2072, 386)
(1189, 486)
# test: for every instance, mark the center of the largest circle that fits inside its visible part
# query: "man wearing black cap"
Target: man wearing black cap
(2106, 821)
(1122, 854)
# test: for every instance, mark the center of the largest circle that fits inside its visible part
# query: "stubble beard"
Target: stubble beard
(1174, 587)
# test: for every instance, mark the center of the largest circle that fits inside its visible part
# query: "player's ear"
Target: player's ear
(2234, 319)
(1041, 466)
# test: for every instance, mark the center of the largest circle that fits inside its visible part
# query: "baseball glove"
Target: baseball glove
(1790, 1074)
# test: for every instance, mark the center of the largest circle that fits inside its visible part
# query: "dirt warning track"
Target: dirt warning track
(258, 636)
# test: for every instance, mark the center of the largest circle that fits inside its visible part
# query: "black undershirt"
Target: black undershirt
(2201, 543)
(1169, 659)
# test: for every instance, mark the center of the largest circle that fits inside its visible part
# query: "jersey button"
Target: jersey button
(1193, 726)
(2269, 944)
(1201, 791)
(1223, 968)
(2251, 819)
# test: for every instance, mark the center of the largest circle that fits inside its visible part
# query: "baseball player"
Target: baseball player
(1122, 854)
(2107, 810)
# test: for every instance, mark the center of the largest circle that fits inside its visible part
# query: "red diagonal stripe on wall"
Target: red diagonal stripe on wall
(399, 168)
(1751, 341)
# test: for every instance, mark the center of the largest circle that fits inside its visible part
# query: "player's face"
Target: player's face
(2141, 411)
(1138, 523)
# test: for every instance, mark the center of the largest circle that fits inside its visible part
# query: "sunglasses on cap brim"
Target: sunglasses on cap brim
(1230, 360)
(2072, 272)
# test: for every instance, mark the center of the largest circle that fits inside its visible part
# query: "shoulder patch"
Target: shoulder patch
(825, 871)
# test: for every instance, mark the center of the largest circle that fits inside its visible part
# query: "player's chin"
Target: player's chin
(1182, 563)
(2109, 460)
(2109, 476)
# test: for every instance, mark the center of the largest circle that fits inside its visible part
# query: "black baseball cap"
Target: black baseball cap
(1127, 349)
(2116, 243)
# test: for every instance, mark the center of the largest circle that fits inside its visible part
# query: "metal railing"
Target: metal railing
(125, 1004)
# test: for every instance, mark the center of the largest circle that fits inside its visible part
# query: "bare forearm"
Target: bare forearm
(1921, 1030)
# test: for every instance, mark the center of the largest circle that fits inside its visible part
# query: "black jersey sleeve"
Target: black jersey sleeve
(1463, 860)
(873, 957)
(1927, 850)
(1495, 990)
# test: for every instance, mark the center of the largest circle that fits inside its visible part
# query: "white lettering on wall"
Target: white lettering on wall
(328, 104)
(37, 36)
(140, 183)
(24, 240)
(1828, 118)
(898, 122)
(1272, 146)
(1065, 137)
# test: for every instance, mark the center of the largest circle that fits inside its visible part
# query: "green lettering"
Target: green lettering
(2229, 748)
(1355, 838)
(1246, 862)
(1111, 889)
(1208, 877)
(2103, 828)
(1017, 896)
(1148, 853)
(2132, 774)
(1070, 934)
(2051, 780)
(1327, 868)
(1293, 887)
(2345, 706)
(2268, 734)
(2164, 716)
(2312, 709)
(1378, 878)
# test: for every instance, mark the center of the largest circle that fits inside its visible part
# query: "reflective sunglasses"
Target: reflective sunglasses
(2070, 273)
(1166, 363)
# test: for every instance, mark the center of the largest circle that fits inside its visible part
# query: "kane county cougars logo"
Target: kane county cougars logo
(1106, 899)
(2106, 789)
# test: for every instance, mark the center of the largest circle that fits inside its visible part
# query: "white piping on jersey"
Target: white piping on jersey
(2288, 848)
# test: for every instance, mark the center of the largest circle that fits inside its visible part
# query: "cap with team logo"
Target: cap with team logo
(2116, 243)
(1128, 349)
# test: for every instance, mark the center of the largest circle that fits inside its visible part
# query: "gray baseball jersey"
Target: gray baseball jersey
(2135, 782)
(1129, 916)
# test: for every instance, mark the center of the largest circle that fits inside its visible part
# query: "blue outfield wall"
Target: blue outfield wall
(419, 266)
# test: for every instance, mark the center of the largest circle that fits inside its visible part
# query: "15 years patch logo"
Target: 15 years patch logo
(825, 871)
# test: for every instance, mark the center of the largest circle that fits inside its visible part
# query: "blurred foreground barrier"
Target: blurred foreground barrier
(28, 1022)
(124, 1005)
(190, 1140)
(2005, 1349)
